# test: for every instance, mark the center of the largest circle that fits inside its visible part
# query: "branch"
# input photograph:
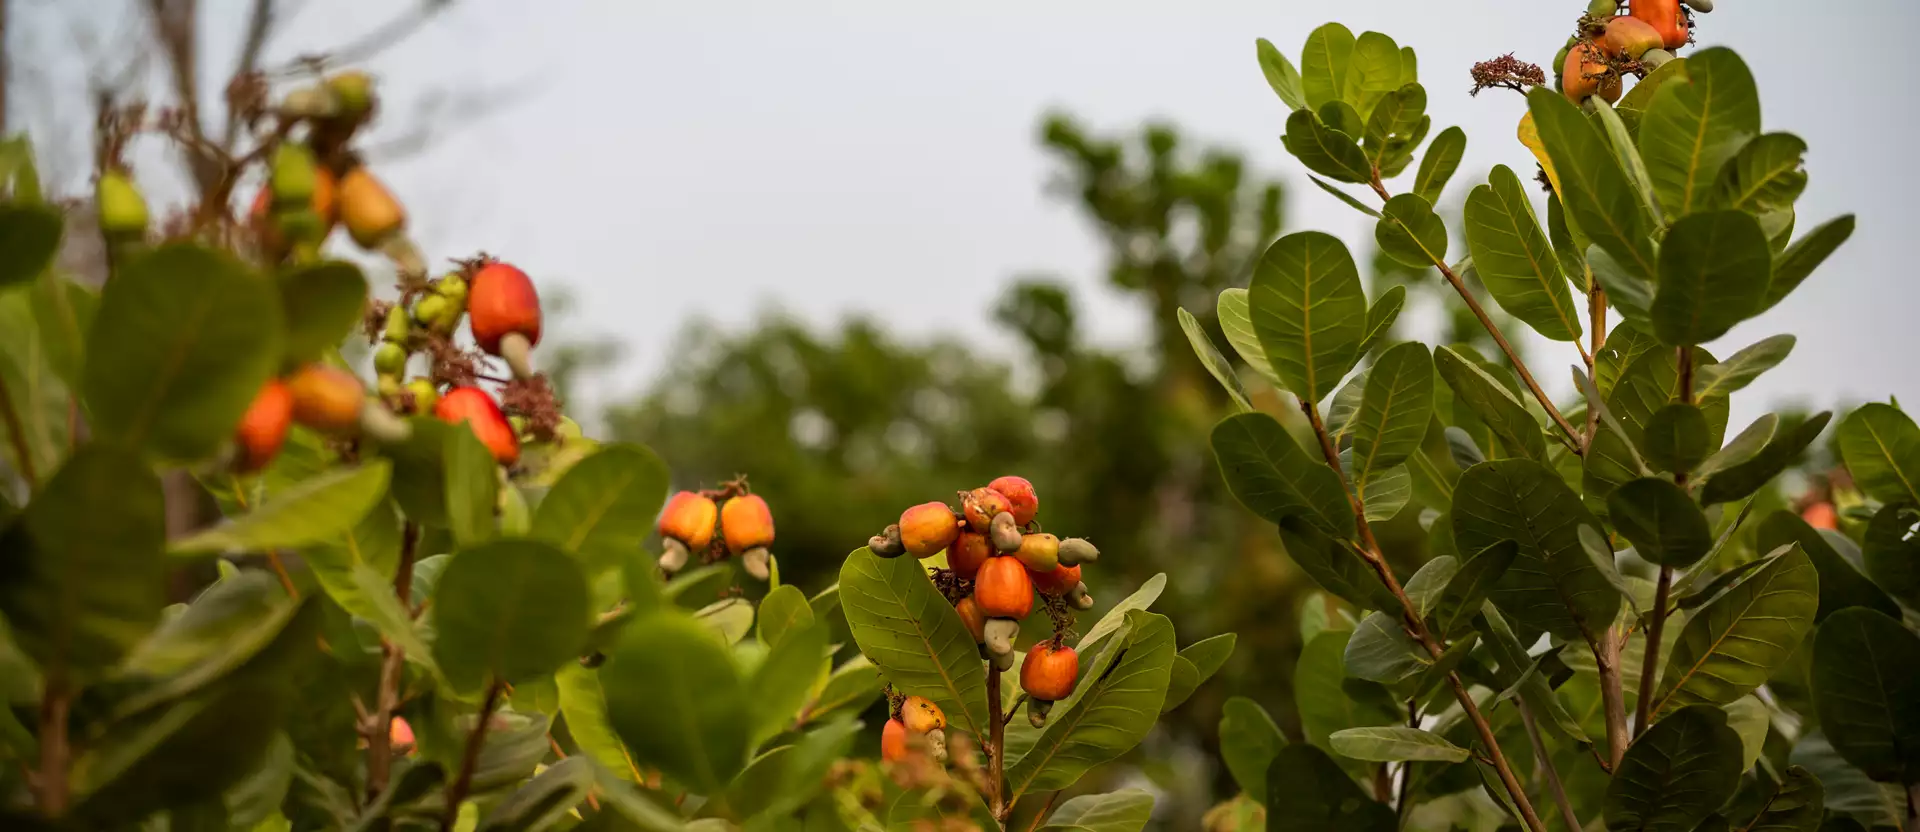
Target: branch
(1654, 627)
(1606, 656)
(1546, 764)
(1411, 620)
(259, 25)
(50, 782)
(996, 749)
(18, 433)
(457, 793)
(380, 727)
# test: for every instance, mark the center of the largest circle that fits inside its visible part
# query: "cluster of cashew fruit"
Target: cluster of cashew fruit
(726, 522)
(915, 724)
(996, 550)
(1609, 45)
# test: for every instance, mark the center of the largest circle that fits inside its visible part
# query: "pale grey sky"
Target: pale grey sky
(715, 159)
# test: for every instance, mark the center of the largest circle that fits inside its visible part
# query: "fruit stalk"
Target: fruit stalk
(996, 745)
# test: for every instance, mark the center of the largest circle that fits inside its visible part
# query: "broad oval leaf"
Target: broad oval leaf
(674, 695)
(1693, 127)
(1411, 233)
(1127, 810)
(1249, 739)
(1308, 792)
(1374, 70)
(1881, 446)
(1492, 402)
(1741, 368)
(1664, 524)
(1677, 437)
(319, 510)
(782, 610)
(1601, 204)
(1280, 73)
(1443, 158)
(1745, 478)
(604, 502)
(1797, 263)
(1329, 698)
(1729, 647)
(1552, 584)
(1194, 665)
(1269, 473)
(906, 628)
(1891, 551)
(583, 707)
(82, 579)
(1714, 270)
(1382, 651)
(1675, 774)
(473, 487)
(322, 304)
(1323, 64)
(508, 611)
(1429, 584)
(1514, 260)
(1766, 175)
(1841, 585)
(1308, 311)
(783, 681)
(183, 341)
(1325, 149)
(64, 311)
(1108, 715)
(1334, 565)
(1867, 693)
(1398, 122)
(1394, 409)
(1396, 743)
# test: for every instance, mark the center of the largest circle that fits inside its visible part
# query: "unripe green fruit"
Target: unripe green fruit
(398, 327)
(388, 386)
(295, 175)
(353, 91)
(425, 395)
(301, 225)
(390, 359)
(123, 210)
(518, 423)
(453, 287)
(428, 310)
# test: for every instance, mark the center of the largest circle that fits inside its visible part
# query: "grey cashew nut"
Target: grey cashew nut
(1005, 534)
(675, 556)
(1075, 551)
(887, 544)
(755, 561)
(998, 635)
(1037, 712)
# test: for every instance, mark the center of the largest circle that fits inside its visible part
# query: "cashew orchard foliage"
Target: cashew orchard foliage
(1605, 637)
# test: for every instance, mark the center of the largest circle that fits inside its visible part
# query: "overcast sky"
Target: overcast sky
(717, 159)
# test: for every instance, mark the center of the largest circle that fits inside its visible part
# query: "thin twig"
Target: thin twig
(457, 793)
(1410, 619)
(379, 736)
(1546, 764)
(1044, 811)
(55, 756)
(996, 749)
(19, 436)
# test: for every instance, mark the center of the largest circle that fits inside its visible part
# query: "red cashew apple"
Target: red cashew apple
(1057, 582)
(1821, 516)
(981, 504)
(689, 518)
(327, 399)
(1630, 37)
(920, 715)
(971, 616)
(893, 741)
(928, 528)
(1039, 552)
(1665, 17)
(1585, 74)
(264, 427)
(969, 551)
(1003, 589)
(504, 312)
(1049, 672)
(747, 523)
(1024, 504)
(477, 409)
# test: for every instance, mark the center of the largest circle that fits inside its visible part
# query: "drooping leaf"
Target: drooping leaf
(1714, 270)
(1741, 368)
(1841, 585)
(1676, 774)
(1797, 263)
(1216, 364)
(1308, 311)
(675, 697)
(1664, 524)
(1881, 446)
(1308, 792)
(1411, 233)
(1514, 259)
(508, 611)
(1249, 739)
(1442, 159)
(1108, 714)
(1325, 149)
(1381, 315)
(1236, 320)
(1552, 584)
(583, 707)
(316, 511)
(1730, 646)
(184, 338)
(1745, 478)
(1333, 565)
(1127, 810)
(1280, 74)
(322, 304)
(1693, 127)
(1866, 694)
(1492, 402)
(1601, 203)
(1270, 473)
(1513, 673)
(1891, 551)
(1200, 661)
(1396, 743)
(1394, 410)
(906, 628)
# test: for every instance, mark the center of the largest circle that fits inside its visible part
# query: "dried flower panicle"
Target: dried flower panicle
(1507, 72)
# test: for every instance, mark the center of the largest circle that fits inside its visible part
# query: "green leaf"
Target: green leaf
(1891, 552)
(1552, 585)
(1280, 74)
(1396, 743)
(583, 706)
(1850, 796)
(906, 628)
(732, 618)
(1492, 402)
(1323, 64)
(1714, 269)
(783, 681)
(1308, 792)
(1333, 566)
(1663, 523)
(29, 239)
(1374, 71)
(64, 311)
(1678, 437)
(1532, 687)
(1329, 698)
(1467, 590)
(1730, 646)
(1797, 263)
(782, 781)
(1381, 651)
(508, 611)
(1109, 714)
(1624, 346)
(1308, 311)
(1343, 196)
(1675, 775)
(1394, 410)
(1881, 446)
(1398, 122)
(318, 510)
(1741, 368)
(1742, 447)
(1127, 810)
(1866, 692)
(420, 473)
(1324, 149)
(1215, 363)
(230, 623)
(322, 303)
(1512, 256)
(1795, 804)
(1442, 159)
(1381, 315)
(1429, 583)
(1236, 320)
(1345, 406)
(1741, 480)
(543, 800)
(1206, 657)
(1248, 741)
(1411, 233)
(1693, 127)
(1599, 199)
(184, 339)
(605, 503)
(1269, 473)
(1841, 585)
(1627, 156)
(783, 610)
(1766, 175)
(82, 579)
(851, 687)
(674, 696)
